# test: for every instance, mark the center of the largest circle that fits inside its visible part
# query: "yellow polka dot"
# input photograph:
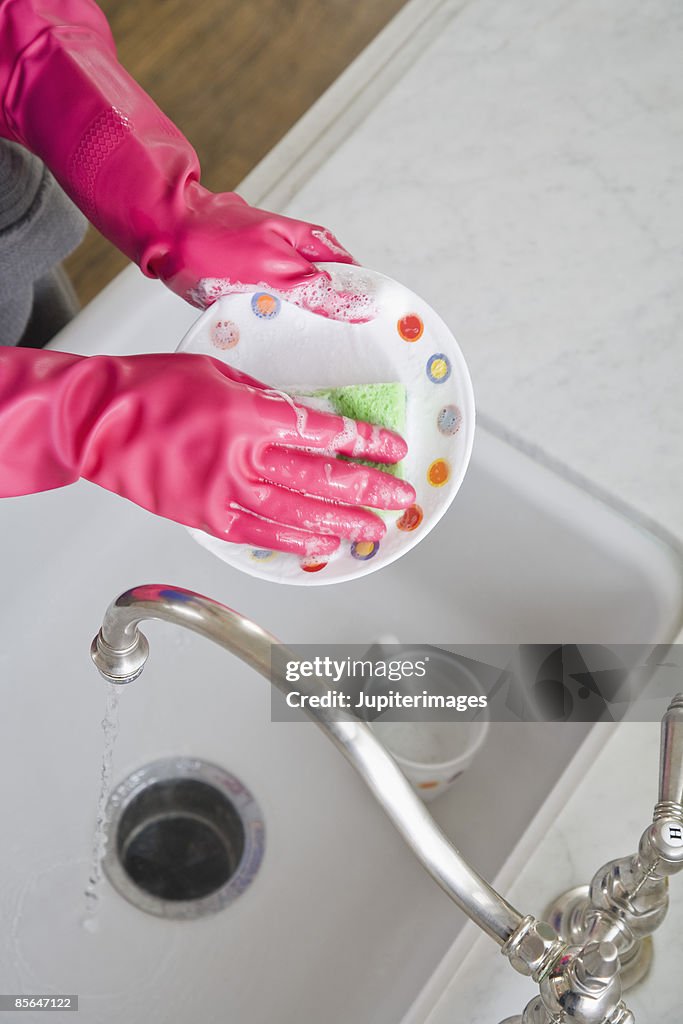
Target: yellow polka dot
(364, 547)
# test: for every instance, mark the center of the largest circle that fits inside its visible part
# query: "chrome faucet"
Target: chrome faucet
(579, 983)
(628, 898)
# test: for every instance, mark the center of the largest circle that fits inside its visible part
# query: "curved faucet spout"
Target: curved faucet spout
(120, 651)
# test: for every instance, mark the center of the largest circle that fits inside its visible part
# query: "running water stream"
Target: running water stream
(110, 728)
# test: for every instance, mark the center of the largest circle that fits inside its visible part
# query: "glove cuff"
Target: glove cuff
(122, 161)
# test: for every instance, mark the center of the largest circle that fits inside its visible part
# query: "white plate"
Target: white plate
(291, 348)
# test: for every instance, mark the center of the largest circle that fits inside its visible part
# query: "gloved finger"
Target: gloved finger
(362, 440)
(332, 478)
(319, 244)
(247, 528)
(309, 428)
(311, 240)
(305, 513)
(313, 290)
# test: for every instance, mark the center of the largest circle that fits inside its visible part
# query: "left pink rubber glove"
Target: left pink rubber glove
(193, 440)
(123, 162)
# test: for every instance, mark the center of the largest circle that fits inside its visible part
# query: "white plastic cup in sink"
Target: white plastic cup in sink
(433, 754)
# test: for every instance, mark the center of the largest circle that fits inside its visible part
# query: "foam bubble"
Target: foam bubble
(347, 434)
(325, 236)
(314, 548)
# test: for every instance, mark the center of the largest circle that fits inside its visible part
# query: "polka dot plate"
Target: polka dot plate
(294, 350)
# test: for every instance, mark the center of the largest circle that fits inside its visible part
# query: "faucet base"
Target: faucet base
(566, 915)
(536, 1013)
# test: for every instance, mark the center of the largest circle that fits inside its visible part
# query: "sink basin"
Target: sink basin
(340, 923)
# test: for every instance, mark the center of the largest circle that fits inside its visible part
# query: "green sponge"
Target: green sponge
(383, 405)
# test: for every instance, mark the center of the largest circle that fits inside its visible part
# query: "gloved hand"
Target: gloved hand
(193, 440)
(133, 174)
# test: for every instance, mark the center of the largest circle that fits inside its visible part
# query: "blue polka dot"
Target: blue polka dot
(438, 368)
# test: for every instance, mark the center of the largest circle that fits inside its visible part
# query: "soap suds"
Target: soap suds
(347, 434)
(329, 241)
(317, 295)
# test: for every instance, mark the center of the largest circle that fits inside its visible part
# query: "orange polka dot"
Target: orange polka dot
(427, 785)
(266, 304)
(438, 473)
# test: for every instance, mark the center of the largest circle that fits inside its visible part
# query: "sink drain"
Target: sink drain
(184, 838)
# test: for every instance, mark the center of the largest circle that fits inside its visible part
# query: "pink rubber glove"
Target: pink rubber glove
(190, 439)
(134, 175)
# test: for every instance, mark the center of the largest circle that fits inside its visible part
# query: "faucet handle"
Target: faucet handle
(661, 847)
(671, 761)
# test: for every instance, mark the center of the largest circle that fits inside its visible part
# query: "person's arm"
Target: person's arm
(191, 439)
(130, 170)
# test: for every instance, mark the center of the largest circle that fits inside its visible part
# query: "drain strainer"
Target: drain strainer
(184, 838)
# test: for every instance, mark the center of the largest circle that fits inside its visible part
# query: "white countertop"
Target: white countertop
(520, 165)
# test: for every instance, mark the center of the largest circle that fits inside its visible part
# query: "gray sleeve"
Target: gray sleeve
(39, 226)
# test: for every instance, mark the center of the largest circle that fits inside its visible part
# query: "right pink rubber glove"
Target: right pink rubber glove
(133, 174)
(192, 440)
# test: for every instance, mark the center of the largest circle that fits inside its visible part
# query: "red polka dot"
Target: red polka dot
(411, 519)
(313, 566)
(410, 327)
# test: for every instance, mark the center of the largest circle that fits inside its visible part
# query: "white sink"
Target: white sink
(341, 923)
